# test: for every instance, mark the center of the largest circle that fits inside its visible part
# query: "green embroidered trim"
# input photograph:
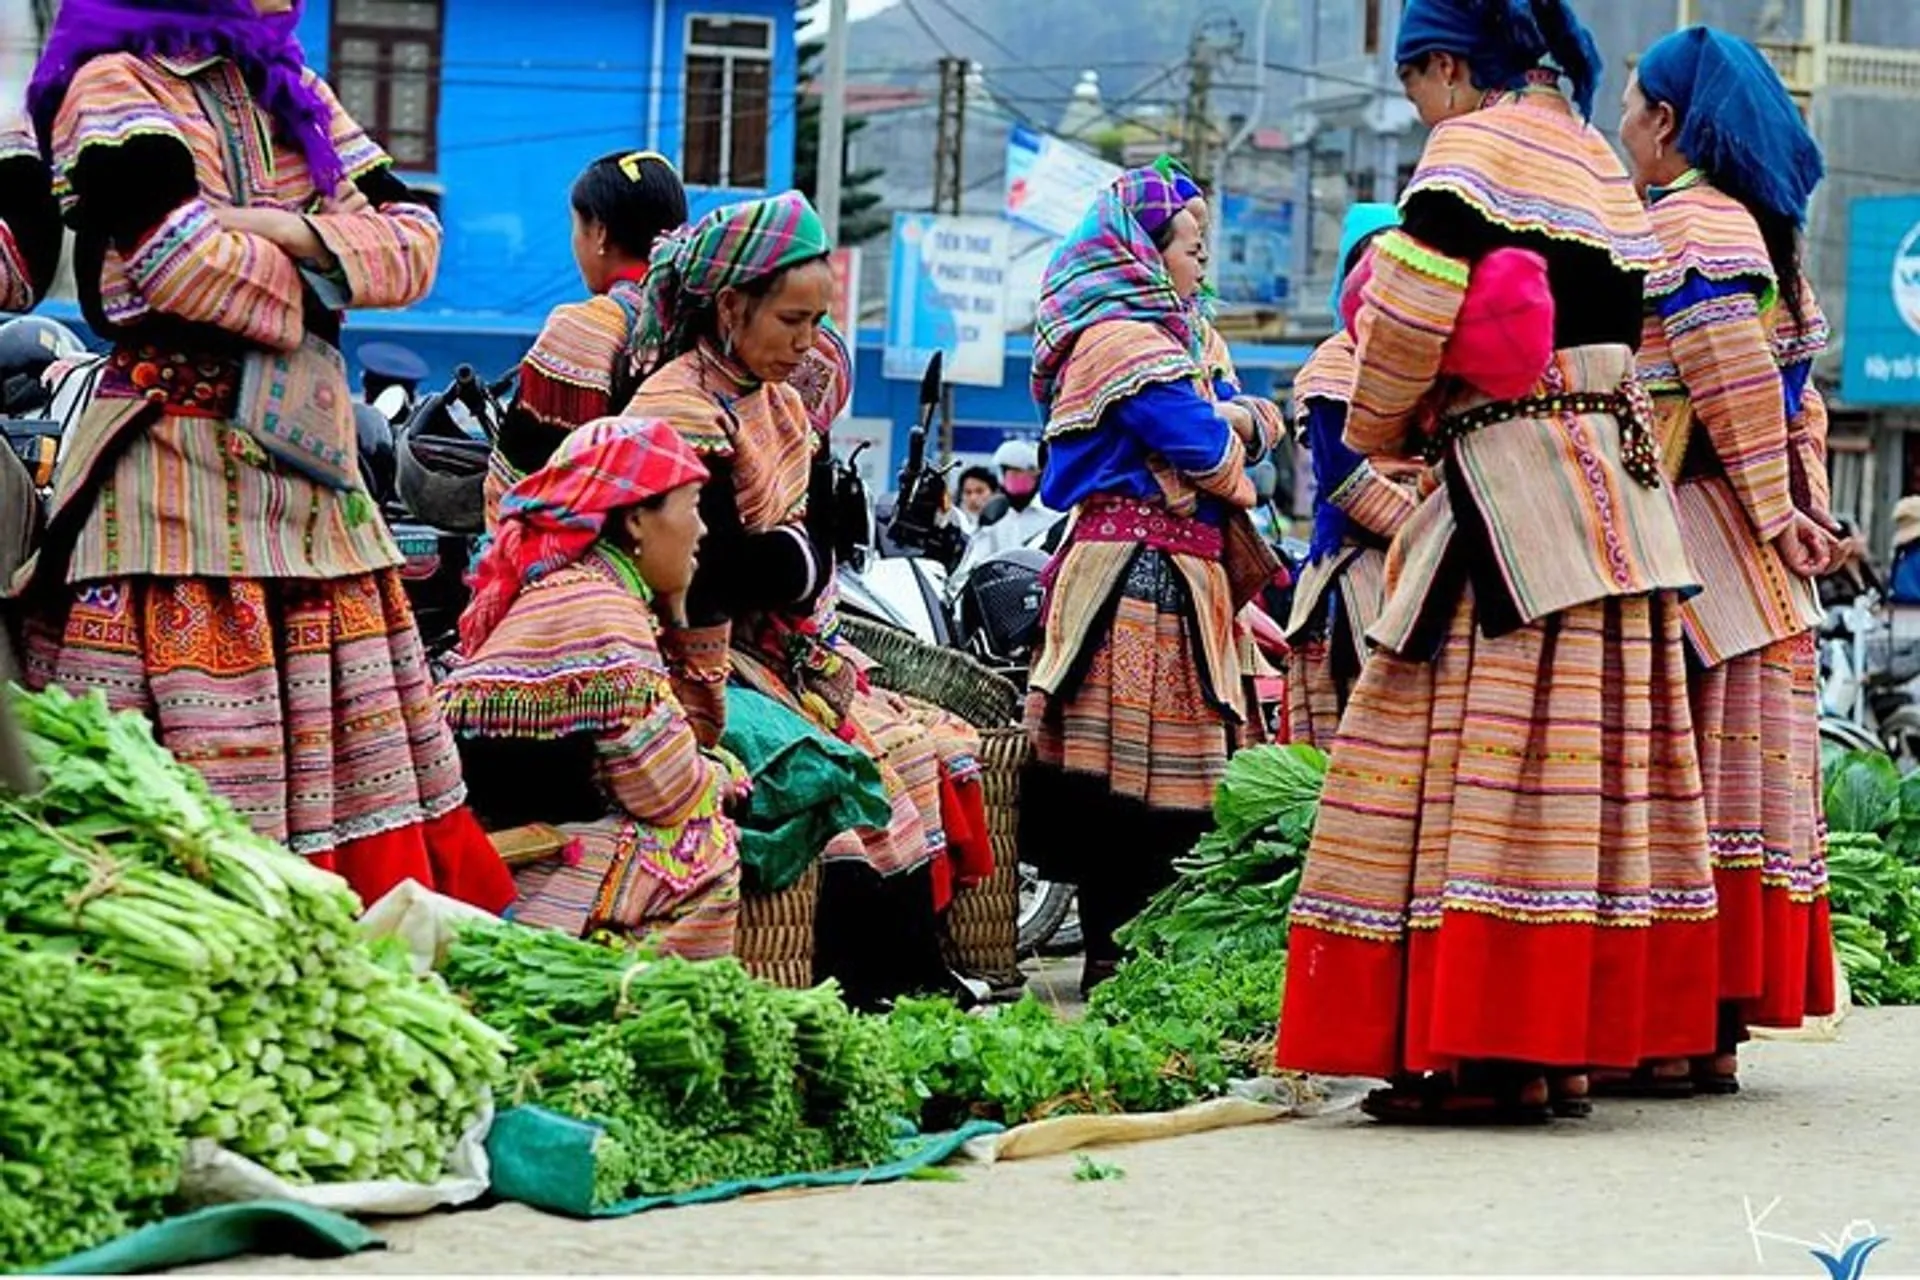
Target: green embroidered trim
(1407, 251)
(623, 568)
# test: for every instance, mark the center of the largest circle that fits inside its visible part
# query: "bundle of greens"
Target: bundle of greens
(277, 1030)
(1873, 869)
(1160, 1035)
(696, 1072)
(1234, 890)
(87, 1148)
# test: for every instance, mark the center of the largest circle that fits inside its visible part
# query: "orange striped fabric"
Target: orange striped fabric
(1408, 309)
(763, 428)
(1718, 351)
(1808, 435)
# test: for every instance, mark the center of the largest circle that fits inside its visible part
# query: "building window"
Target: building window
(386, 71)
(729, 96)
(1370, 27)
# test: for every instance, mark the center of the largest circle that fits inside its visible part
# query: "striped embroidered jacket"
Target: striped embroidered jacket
(1727, 364)
(166, 485)
(1556, 519)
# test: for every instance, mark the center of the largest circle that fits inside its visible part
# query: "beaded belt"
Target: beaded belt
(1638, 453)
(188, 384)
(1109, 519)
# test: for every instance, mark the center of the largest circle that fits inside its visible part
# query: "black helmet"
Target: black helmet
(440, 470)
(378, 466)
(1000, 605)
(28, 344)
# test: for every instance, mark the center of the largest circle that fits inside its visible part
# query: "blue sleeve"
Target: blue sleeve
(1793, 383)
(1333, 462)
(1697, 290)
(1172, 420)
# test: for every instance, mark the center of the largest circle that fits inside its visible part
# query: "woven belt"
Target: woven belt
(1630, 405)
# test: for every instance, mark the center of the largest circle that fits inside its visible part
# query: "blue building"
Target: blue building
(493, 106)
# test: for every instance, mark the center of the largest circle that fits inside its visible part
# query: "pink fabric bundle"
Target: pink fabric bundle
(1502, 340)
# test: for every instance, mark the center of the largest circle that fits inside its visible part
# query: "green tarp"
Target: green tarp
(807, 788)
(545, 1159)
(224, 1231)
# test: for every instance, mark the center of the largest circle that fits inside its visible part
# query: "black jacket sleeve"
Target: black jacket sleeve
(32, 216)
(742, 572)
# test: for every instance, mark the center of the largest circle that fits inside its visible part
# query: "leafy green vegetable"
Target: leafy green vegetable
(87, 1148)
(277, 1031)
(697, 1073)
(1274, 790)
(1087, 1169)
(1863, 791)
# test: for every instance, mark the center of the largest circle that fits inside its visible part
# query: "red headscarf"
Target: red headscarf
(551, 518)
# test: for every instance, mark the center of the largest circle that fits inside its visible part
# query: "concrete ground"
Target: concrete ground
(1824, 1134)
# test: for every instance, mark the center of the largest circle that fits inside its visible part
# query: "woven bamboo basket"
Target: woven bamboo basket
(775, 937)
(984, 922)
(947, 678)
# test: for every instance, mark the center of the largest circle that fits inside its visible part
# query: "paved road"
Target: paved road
(1829, 1130)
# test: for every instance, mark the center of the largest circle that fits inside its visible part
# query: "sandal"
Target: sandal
(1439, 1101)
(1717, 1077)
(1646, 1081)
(1570, 1094)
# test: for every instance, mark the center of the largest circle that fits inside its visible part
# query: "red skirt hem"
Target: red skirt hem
(450, 855)
(1482, 988)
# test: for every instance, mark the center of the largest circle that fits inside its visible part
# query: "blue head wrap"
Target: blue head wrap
(1738, 123)
(1503, 40)
(1362, 221)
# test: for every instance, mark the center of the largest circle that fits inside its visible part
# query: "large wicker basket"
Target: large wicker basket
(775, 938)
(983, 925)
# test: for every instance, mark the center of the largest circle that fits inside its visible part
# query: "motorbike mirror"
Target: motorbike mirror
(854, 457)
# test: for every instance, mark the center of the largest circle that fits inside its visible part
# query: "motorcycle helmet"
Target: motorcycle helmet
(28, 345)
(378, 464)
(1000, 605)
(441, 471)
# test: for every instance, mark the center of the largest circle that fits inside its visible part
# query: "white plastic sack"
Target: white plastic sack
(211, 1174)
(426, 922)
(1248, 1102)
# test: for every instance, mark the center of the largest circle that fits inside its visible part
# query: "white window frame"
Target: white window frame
(728, 55)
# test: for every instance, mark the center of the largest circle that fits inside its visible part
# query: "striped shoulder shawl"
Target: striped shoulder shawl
(576, 653)
(1529, 164)
(1111, 362)
(1328, 374)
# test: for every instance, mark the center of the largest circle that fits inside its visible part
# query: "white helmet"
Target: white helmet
(1017, 455)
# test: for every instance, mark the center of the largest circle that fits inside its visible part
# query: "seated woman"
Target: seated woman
(586, 362)
(565, 710)
(750, 376)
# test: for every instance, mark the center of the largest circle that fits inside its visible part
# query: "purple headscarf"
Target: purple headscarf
(262, 45)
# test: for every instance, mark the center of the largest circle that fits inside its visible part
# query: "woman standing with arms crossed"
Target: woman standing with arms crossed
(1508, 882)
(1732, 331)
(206, 563)
(1136, 695)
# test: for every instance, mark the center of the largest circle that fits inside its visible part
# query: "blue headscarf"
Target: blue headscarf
(1738, 123)
(1503, 40)
(1362, 221)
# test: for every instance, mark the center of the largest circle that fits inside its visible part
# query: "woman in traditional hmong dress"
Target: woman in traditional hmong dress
(563, 681)
(206, 564)
(1731, 334)
(29, 220)
(737, 313)
(1508, 882)
(1356, 512)
(1136, 694)
(587, 361)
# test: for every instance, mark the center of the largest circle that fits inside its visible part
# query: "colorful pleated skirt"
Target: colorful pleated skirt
(1510, 858)
(307, 705)
(692, 911)
(1757, 718)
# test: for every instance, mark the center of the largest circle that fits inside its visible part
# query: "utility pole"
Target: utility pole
(1199, 109)
(833, 118)
(949, 155)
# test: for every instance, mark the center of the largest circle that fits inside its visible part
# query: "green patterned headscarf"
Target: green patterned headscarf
(730, 247)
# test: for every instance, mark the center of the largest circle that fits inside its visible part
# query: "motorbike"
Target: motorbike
(1869, 671)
